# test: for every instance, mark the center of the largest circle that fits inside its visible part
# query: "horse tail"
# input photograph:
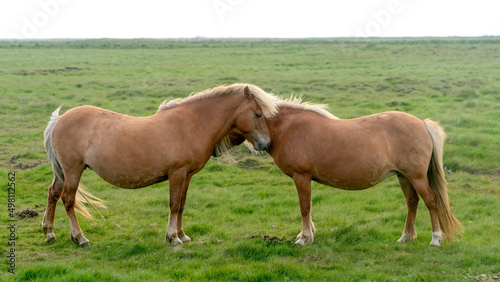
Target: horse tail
(435, 174)
(82, 193)
(56, 167)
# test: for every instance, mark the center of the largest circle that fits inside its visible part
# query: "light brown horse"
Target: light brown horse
(310, 144)
(134, 152)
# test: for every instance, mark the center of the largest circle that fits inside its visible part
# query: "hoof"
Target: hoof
(405, 238)
(51, 237)
(81, 240)
(50, 240)
(173, 240)
(437, 238)
(85, 245)
(185, 238)
(304, 240)
(176, 242)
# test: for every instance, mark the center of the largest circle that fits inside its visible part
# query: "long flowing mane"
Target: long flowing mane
(266, 101)
(296, 103)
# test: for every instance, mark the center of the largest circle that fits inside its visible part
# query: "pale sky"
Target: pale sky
(45, 19)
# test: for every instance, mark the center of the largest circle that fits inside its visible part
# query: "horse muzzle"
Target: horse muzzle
(262, 145)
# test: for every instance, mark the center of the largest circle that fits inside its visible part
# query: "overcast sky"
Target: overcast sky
(42, 19)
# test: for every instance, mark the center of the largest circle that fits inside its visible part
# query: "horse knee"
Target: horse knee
(430, 203)
(424, 190)
(413, 203)
(175, 206)
(305, 211)
(181, 208)
(55, 194)
(55, 190)
(68, 200)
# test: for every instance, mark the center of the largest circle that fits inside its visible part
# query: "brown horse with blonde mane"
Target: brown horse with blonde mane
(310, 144)
(134, 152)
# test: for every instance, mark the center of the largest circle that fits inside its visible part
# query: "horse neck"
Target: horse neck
(215, 115)
(285, 122)
(279, 123)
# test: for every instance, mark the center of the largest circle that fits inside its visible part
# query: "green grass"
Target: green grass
(234, 203)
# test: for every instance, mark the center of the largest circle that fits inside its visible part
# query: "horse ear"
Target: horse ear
(247, 93)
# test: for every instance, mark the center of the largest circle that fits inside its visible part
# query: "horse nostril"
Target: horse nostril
(261, 146)
(266, 145)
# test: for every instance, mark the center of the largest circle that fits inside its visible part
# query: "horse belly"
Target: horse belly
(349, 176)
(125, 171)
(354, 183)
(129, 179)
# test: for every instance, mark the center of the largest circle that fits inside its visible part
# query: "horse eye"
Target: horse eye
(258, 115)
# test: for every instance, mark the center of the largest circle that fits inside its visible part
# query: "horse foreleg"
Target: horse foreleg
(177, 182)
(303, 185)
(411, 197)
(424, 190)
(68, 198)
(180, 230)
(54, 193)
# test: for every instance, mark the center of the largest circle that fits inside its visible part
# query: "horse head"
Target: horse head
(250, 122)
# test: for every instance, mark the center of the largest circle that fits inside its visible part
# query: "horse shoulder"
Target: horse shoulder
(299, 135)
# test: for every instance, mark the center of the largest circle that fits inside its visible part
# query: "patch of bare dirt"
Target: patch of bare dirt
(49, 71)
(27, 213)
(272, 239)
(23, 164)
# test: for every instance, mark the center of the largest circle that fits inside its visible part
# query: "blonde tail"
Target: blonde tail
(83, 195)
(449, 224)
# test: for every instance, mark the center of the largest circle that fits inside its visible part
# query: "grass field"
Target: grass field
(243, 213)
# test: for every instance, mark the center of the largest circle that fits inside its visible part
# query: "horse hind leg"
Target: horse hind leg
(68, 198)
(54, 193)
(412, 199)
(423, 189)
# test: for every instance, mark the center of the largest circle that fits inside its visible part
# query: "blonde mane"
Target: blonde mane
(267, 102)
(296, 103)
